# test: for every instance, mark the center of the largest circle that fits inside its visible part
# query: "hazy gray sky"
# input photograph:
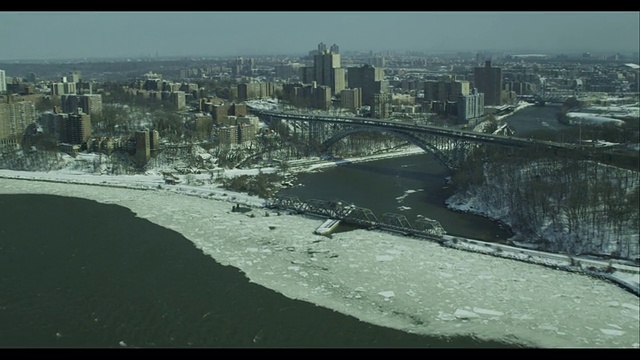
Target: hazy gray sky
(54, 35)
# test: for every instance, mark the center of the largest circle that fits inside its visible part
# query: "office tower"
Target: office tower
(488, 80)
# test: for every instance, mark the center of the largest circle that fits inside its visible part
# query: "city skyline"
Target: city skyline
(73, 35)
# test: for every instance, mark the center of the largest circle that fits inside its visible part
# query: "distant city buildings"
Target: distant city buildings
(288, 71)
(152, 86)
(242, 67)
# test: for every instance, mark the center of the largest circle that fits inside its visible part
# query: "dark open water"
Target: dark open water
(75, 273)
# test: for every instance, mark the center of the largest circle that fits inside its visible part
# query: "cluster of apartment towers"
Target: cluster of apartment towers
(365, 86)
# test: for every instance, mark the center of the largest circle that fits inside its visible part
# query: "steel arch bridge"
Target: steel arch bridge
(449, 152)
(449, 145)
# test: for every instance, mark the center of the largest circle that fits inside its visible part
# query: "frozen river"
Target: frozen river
(402, 283)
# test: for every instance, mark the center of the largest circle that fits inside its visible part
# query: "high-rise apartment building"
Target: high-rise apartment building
(381, 107)
(14, 119)
(351, 99)
(470, 106)
(228, 135)
(324, 65)
(219, 113)
(255, 90)
(326, 69)
(90, 103)
(53, 123)
(143, 147)
(77, 128)
(445, 90)
(63, 87)
(3, 81)
(488, 80)
(178, 100)
(368, 78)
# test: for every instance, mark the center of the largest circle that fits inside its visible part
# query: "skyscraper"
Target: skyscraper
(488, 80)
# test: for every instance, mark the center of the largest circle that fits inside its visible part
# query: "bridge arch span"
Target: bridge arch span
(405, 135)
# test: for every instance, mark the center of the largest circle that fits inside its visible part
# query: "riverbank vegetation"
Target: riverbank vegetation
(563, 205)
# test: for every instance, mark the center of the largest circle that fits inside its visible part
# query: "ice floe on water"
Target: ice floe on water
(405, 194)
(400, 282)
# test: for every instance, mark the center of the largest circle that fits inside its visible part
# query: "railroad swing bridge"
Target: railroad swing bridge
(351, 214)
(451, 146)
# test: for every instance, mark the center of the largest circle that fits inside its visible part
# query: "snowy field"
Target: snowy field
(404, 283)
